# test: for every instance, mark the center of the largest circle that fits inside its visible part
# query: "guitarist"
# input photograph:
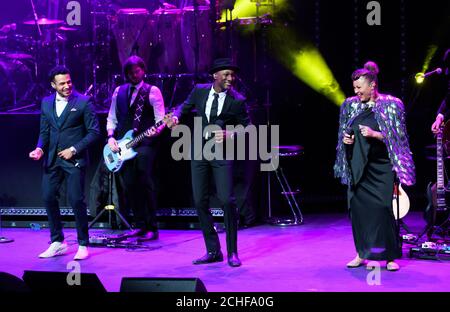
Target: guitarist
(137, 105)
(444, 109)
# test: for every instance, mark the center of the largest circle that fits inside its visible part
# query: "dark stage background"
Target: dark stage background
(340, 32)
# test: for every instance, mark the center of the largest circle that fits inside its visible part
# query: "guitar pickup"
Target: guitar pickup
(110, 158)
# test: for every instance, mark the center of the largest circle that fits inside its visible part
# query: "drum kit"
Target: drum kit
(173, 42)
(25, 60)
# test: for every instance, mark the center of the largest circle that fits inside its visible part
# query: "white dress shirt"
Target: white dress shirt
(155, 98)
(60, 103)
(221, 100)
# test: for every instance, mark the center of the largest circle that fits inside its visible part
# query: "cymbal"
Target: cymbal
(64, 28)
(44, 21)
(19, 56)
(289, 148)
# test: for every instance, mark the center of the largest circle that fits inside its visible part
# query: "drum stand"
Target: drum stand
(37, 90)
(135, 46)
(101, 92)
(196, 46)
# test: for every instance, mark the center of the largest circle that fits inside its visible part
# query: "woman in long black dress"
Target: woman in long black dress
(372, 153)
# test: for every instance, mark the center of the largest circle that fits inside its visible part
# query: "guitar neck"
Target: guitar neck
(440, 183)
(142, 135)
(440, 162)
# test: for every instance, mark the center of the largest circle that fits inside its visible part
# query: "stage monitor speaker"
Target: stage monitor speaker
(40, 281)
(11, 283)
(144, 284)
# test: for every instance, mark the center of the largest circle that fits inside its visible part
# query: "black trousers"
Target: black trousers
(139, 187)
(52, 180)
(222, 171)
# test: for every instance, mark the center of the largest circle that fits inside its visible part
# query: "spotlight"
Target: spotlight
(420, 77)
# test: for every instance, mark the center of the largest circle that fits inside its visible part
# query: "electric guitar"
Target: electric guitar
(115, 160)
(403, 201)
(437, 211)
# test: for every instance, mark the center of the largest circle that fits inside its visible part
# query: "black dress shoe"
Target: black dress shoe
(210, 257)
(148, 236)
(233, 260)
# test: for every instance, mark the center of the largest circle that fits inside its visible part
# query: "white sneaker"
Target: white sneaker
(392, 266)
(82, 253)
(356, 262)
(55, 249)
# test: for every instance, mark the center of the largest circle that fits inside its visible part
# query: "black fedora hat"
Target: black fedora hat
(221, 64)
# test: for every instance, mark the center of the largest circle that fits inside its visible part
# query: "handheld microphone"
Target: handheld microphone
(437, 71)
(71, 160)
(349, 147)
(74, 162)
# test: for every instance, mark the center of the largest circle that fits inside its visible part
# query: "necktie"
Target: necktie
(139, 103)
(214, 108)
(130, 95)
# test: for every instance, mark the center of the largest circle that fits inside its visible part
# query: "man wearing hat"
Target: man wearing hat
(216, 104)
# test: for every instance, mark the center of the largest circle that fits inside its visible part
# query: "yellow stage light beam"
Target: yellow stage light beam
(430, 54)
(420, 77)
(305, 61)
(299, 56)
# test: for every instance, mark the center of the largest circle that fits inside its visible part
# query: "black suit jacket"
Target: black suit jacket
(77, 126)
(234, 111)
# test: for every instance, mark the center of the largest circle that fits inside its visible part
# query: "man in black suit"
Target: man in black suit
(216, 104)
(68, 127)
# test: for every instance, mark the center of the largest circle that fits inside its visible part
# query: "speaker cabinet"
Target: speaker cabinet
(162, 285)
(40, 281)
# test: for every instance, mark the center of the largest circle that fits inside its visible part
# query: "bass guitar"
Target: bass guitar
(115, 160)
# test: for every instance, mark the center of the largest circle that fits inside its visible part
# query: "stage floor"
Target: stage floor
(306, 258)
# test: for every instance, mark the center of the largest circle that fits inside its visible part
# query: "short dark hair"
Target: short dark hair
(370, 72)
(58, 70)
(130, 62)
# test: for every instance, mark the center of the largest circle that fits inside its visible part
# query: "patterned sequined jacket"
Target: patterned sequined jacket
(390, 116)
